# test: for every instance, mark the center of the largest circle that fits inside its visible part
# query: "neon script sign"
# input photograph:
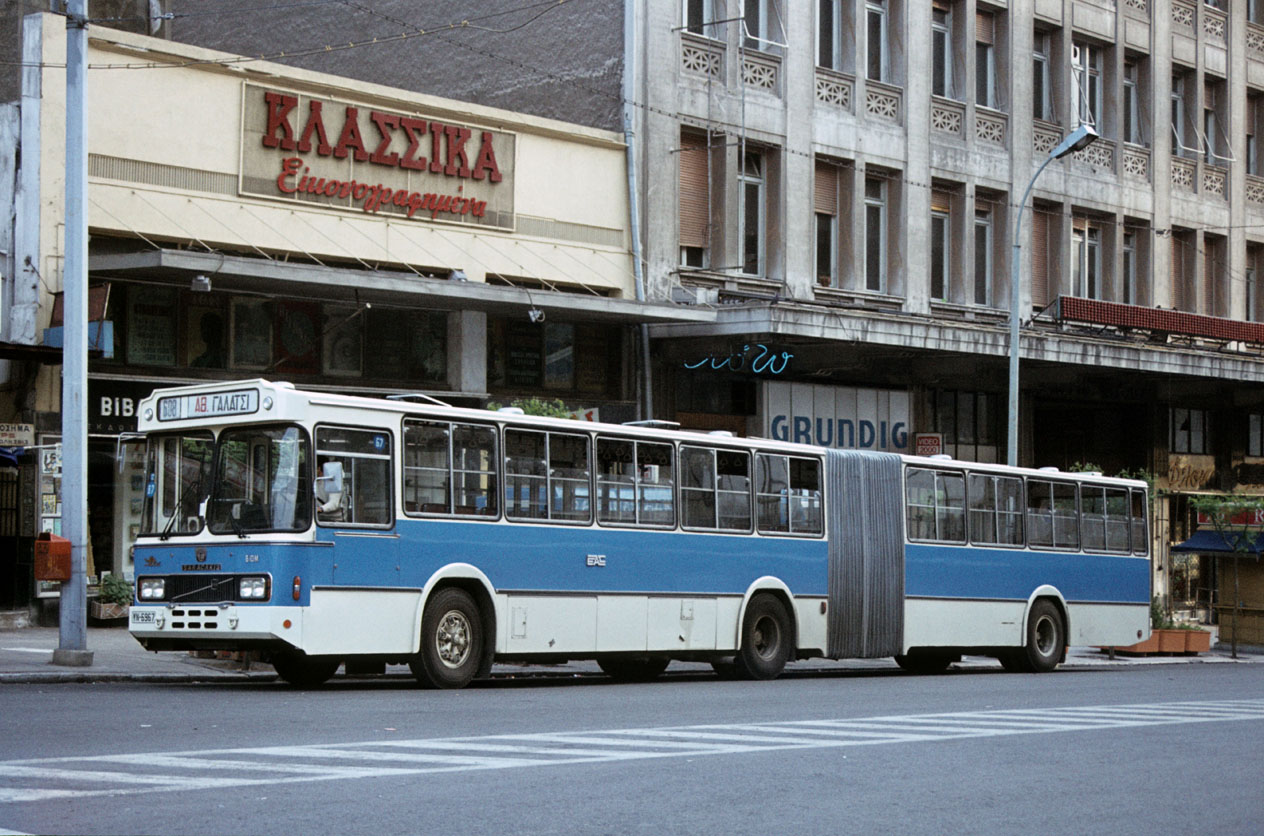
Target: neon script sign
(764, 360)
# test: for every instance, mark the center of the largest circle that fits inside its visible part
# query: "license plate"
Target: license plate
(143, 617)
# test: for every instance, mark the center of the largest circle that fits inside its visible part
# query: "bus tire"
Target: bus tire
(635, 669)
(303, 671)
(451, 640)
(725, 667)
(767, 637)
(1046, 638)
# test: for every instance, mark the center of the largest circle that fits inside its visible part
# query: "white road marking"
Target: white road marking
(43, 779)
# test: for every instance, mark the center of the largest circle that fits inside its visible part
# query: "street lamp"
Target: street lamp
(1078, 139)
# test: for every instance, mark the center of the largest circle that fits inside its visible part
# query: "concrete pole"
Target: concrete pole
(73, 645)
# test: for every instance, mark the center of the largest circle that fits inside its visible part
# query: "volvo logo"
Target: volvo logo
(200, 554)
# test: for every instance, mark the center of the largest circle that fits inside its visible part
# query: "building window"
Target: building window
(877, 62)
(762, 20)
(1190, 431)
(1255, 434)
(1130, 296)
(750, 212)
(1183, 271)
(694, 201)
(941, 49)
(1086, 87)
(1042, 91)
(875, 234)
(829, 34)
(1252, 131)
(825, 206)
(984, 60)
(1132, 105)
(1086, 270)
(940, 252)
(1253, 11)
(1254, 302)
(1215, 118)
(699, 17)
(1180, 119)
(982, 257)
(969, 423)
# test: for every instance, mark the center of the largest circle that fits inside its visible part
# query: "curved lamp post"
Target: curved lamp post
(1078, 139)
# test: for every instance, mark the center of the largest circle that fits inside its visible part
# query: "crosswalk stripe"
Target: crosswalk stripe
(42, 779)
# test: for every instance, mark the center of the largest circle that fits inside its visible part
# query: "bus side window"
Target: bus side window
(427, 468)
(697, 487)
(772, 493)
(1039, 513)
(936, 502)
(364, 459)
(806, 515)
(1066, 516)
(1093, 517)
(995, 509)
(474, 465)
(1116, 519)
(1140, 531)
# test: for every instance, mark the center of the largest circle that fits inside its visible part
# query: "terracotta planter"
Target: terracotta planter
(107, 612)
(1197, 641)
(1171, 641)
(1150, 645)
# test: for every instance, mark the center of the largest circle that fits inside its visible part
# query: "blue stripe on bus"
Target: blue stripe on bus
(555, 558)
(939, 571)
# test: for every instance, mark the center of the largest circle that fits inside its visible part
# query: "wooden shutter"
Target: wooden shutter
(983, 28)
(694, 209)
(825, 193)
(1039, 258)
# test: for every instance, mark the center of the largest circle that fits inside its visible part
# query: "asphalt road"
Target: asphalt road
(1162, 749)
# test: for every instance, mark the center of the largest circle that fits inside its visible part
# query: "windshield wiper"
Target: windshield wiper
(184, 489)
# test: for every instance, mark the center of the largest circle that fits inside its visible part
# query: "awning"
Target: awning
(235, 273)
(9, 456)
(1210, 541)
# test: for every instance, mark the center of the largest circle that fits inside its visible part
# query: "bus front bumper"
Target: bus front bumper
(216, 627)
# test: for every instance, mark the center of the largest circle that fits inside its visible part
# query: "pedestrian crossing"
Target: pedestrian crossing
(43, 779)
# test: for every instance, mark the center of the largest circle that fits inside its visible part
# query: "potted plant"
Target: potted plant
(113, 598)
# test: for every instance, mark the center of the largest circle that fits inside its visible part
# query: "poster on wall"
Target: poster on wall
(342, 346)
(559, 356)
(206, 341)
(297, 343)
(151, 327)
(836, 416)
(252, 334)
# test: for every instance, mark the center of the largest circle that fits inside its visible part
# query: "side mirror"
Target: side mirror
(329, 487)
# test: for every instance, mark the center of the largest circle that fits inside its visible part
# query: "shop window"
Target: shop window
(969, 423)
(252, 334)
(559, 356)
(151, 326)
(405, 345)
(1190, 431)
(205, 333)
(1255, 434)
(353, 477)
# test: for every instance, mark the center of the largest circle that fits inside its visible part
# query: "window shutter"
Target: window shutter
(1039, 258)
(825, 197)
(694, 210)
(940, 202)
(983, 28)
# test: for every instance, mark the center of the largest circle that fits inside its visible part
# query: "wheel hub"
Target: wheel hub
(452, 639)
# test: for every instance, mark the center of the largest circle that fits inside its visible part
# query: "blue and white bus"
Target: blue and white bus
(326, 529)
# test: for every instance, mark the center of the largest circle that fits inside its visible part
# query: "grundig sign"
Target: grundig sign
(349, 156)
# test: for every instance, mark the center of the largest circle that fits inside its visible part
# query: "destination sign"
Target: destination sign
(209, 405)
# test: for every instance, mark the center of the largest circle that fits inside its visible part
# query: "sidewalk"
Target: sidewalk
(26, 656)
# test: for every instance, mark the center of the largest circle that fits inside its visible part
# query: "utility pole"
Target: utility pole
(73, 642)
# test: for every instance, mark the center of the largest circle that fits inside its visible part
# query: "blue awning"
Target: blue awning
(1210, 541)
(9, 456)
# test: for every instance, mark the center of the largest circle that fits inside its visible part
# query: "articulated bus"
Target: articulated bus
(325, 529)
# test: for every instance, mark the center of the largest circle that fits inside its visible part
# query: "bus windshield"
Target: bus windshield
(178, 478)
(261, 481)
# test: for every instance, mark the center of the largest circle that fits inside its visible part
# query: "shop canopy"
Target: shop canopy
(1210, 541)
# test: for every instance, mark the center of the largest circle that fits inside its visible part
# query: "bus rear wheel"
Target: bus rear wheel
(767, 637)
(642, 669)
(451, 640)
(303, 671)
(1046, 638)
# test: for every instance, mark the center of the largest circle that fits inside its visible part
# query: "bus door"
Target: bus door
(354, 507)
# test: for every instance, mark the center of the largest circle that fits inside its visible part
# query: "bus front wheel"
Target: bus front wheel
(303, 671)
(1046, 637)
(451, 640)
(766, 639)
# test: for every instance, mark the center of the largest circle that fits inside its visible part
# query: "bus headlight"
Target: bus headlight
(252, 589)
(153, 589)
